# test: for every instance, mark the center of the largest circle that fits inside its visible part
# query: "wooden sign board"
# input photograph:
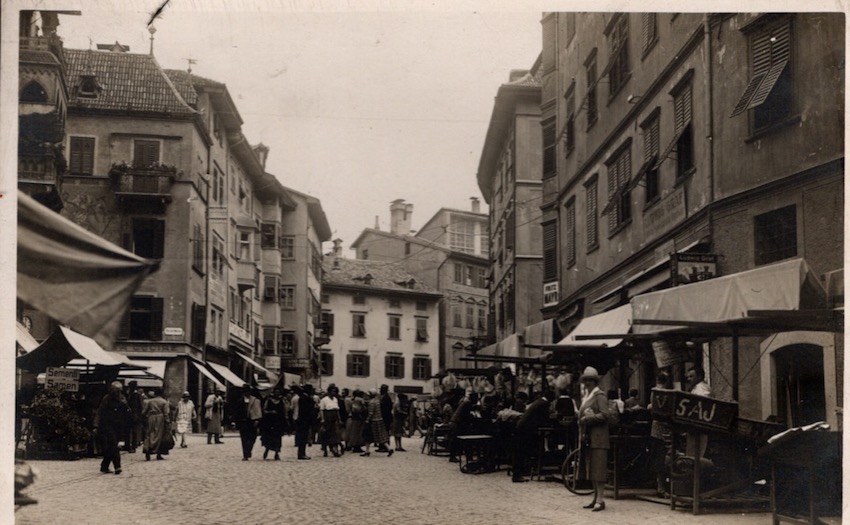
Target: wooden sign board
(693, 410)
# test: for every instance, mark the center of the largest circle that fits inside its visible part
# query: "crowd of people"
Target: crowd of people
(337, 421)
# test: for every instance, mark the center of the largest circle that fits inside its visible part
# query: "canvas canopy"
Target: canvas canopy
(227, 375)
(63, 346)
(72, 275)
(616, 321)
(751, 299)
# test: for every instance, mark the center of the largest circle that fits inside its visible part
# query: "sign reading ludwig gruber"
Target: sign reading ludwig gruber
(686, 268)
(62, 379)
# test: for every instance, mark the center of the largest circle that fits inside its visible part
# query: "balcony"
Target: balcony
(148, 188)
(39, 178)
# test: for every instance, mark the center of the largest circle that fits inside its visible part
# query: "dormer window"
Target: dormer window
(367, 279)
(89, 87)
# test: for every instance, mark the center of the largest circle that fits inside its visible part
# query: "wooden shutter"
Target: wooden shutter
(199, 324)
(571, 231)
(145, 153)
(327, 360)
(591, 219)
(269, 339)
(401, 367)
(683, 106)
(387, 362)
(329, 319)
(349, 365)
(366, 365)
(156, 318)
(550, 250)
(648, 29)
(158, 241)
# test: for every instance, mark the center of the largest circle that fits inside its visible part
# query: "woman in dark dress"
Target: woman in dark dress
(594, 416)
(273, 423)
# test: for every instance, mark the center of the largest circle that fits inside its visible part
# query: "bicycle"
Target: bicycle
(570, 475)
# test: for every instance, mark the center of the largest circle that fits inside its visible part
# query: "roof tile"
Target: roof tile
(129, 81)
(385, 276)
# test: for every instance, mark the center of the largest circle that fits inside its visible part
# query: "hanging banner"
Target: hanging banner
(666, 355)
(686, 268)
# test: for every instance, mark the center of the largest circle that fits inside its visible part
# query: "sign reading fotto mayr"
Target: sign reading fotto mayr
(62, 379)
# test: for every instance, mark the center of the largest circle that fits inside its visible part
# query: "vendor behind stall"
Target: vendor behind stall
(461, 423)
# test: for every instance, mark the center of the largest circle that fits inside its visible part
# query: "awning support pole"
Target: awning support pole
(735, 367)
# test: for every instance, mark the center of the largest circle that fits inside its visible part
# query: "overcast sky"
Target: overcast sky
(358, 108)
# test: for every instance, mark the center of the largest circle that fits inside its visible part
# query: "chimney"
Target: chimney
(262, 153)
(377, 224)
(400, 215)
(337, 248)
(476, 205)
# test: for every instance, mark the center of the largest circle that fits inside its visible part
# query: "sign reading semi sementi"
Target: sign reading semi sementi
(62, 378)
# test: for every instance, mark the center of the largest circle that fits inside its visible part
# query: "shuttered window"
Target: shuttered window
(550, 251)
(683, 108)
(357, 365)
(394, 366)
(421, 368)
(148, 238)
(549, 143)
(143, 321)
(649, 170)
(592, 80)
(619, 197)
(768, 92)
(618, 65)
(570, 125)
(199, 324)
(570, 225)
(271, 285)
(269, 341)
(145, 153)
(358, 325)
(326, 363)
(648, 30)
(592, 217)
(81, 160)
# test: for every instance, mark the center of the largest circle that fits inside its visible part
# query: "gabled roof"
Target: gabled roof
(30, 56)
(317, 214)
(189, 86)
(385, 277)
(129, 82)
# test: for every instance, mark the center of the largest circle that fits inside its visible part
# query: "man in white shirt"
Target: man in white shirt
(696, 382)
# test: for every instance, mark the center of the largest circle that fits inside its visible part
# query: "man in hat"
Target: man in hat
(304, 415)
(109, 424)
(248, 416)
(186, 415)
(136, 421)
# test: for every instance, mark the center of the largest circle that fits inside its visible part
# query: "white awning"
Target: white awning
(154, 367)
(227, 375)
(271, 375)
(616, 321)
(203, 370)
(784, 286)
(539, 333)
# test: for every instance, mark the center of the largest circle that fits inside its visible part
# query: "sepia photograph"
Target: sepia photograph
(290, 261)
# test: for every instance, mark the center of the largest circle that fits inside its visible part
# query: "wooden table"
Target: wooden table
(477, 453)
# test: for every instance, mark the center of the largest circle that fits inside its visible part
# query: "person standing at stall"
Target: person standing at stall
(696, 382)
(594, 419)
(526, 437)
(214, 414)
(109, 424)
(248, 416)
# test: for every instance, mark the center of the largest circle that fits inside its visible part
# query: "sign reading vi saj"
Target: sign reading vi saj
(62, 379)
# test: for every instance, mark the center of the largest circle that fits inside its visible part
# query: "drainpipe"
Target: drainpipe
(709, 108)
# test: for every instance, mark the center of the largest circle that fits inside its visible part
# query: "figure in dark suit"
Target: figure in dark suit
(594, 418)
(109, 425)
(526, 437)
(460, 424)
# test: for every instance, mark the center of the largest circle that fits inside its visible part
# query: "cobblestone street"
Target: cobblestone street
(210, 484)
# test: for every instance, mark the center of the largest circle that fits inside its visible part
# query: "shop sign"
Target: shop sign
(705, 412)
(663, 402)
(273, 362)
(667, 213)
(297, 362)
(666, 355)
(62, 379)
(686, 268)
(550, 294)
(173, 331)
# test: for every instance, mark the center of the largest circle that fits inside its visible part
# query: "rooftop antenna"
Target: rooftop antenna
(190, 61)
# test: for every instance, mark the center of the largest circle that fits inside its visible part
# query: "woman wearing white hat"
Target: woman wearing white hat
(594, 436)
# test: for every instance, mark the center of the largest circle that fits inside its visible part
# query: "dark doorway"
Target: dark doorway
(801, 398)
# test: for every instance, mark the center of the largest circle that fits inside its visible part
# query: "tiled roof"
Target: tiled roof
(38, 57)
(530, 80)
(385, 276)
(183, 82)
(129, 82)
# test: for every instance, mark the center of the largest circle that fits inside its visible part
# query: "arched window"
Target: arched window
(33, 92)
